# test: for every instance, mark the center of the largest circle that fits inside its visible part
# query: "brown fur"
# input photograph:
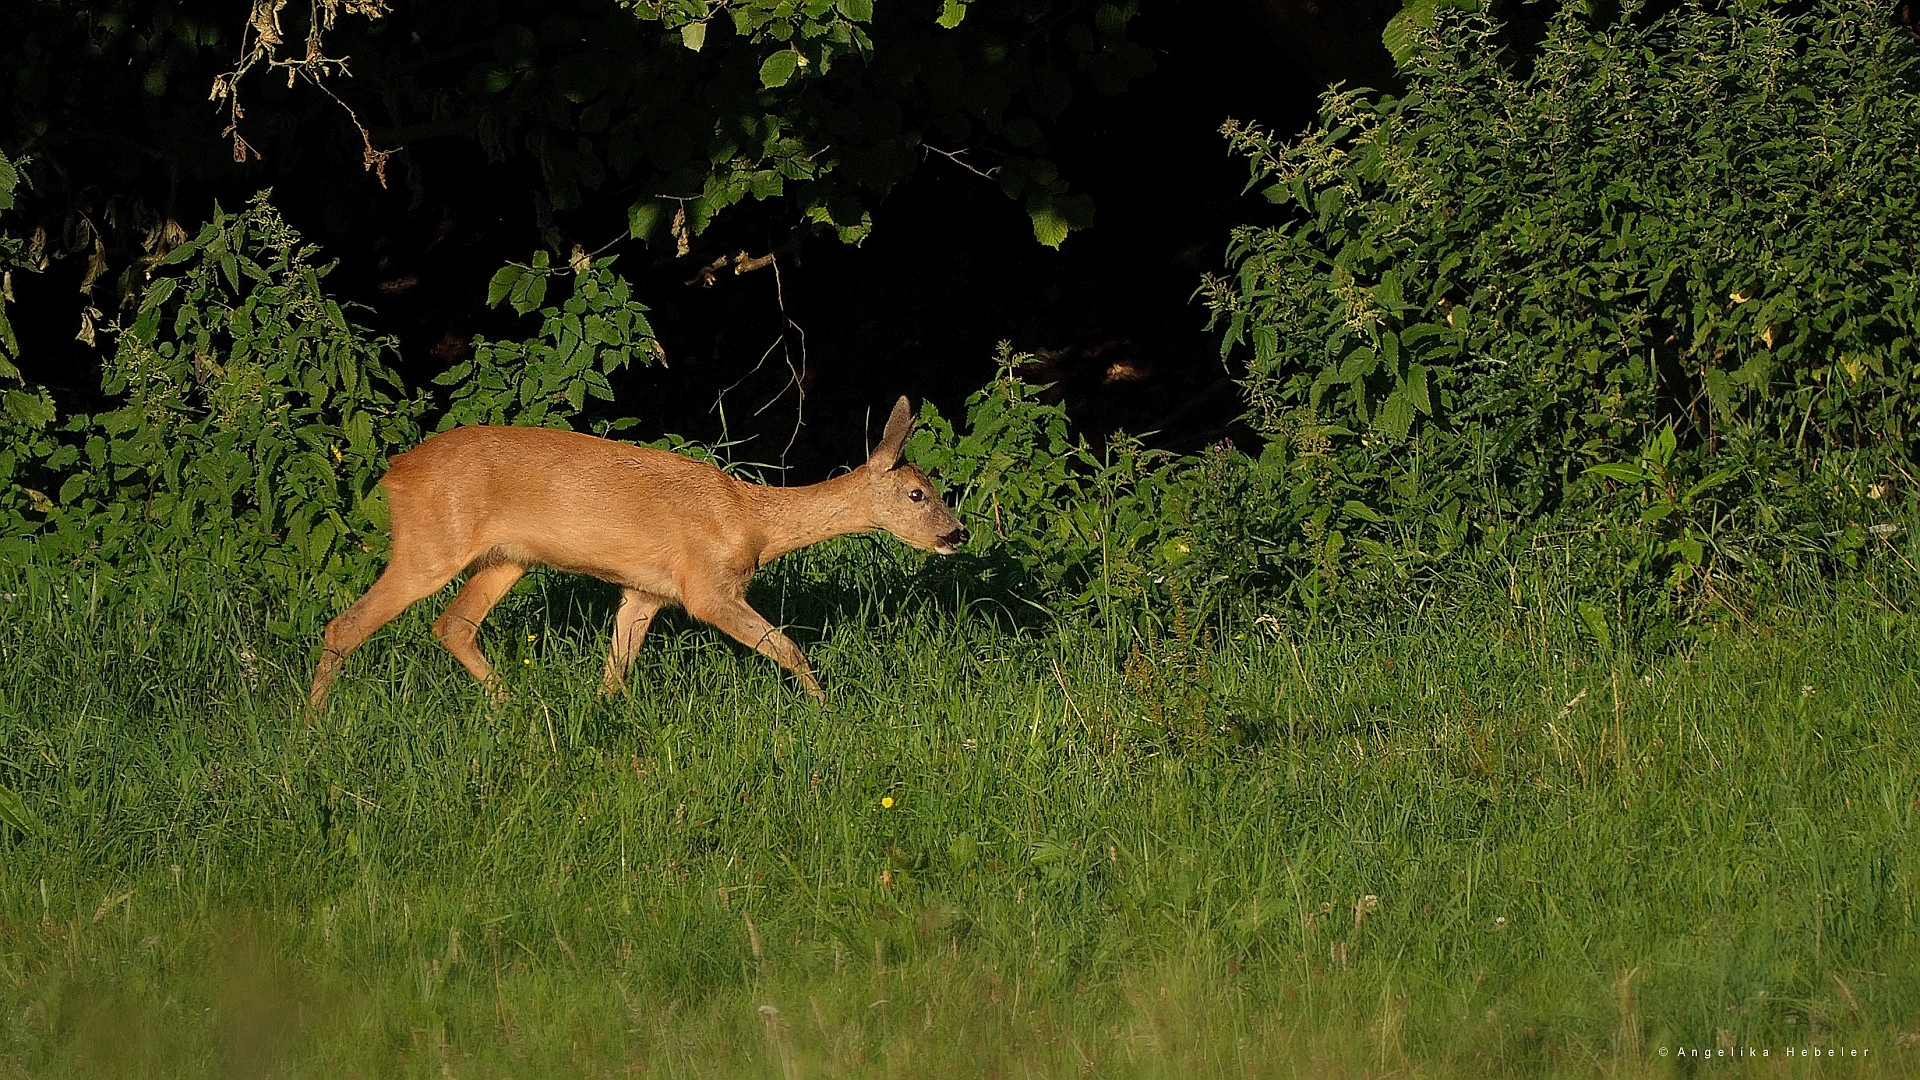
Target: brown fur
(666, 529)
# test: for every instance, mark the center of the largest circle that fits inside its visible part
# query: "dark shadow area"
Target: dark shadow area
(950, 269)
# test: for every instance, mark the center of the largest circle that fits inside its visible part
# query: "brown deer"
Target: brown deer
(665, 528)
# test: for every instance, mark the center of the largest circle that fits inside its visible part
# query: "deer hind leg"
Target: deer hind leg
(637, 609)
(399, 586)
(734, 615)
(458, 627)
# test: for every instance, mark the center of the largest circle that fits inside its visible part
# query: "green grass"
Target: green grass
(1107, 852)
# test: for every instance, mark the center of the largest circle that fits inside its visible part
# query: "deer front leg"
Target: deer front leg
(636, 613)
(402, 583)
(458, 628)
(734, 615)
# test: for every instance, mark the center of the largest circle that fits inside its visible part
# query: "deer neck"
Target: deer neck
(795, 517)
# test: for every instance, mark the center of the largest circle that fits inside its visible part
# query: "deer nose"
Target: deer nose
(956, 538)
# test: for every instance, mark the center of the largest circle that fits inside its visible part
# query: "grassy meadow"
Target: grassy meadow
(1459, 841)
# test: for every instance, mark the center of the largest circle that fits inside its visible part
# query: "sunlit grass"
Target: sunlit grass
(1459, 844)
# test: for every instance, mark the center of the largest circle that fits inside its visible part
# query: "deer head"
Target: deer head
(904, 502)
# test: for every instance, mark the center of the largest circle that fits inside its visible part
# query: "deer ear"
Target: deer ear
(887, 454)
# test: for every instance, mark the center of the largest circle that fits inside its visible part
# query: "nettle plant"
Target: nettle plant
(547, 381)
(1700, 223)
(1062, 527)
(254, 418)
(28, 441)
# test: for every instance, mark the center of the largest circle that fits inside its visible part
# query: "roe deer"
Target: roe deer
(665, 528)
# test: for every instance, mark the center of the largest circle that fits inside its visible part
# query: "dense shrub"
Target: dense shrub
(253, 417)
(25, 415)
(1684, 246)
(546, 381)
(1654, 299)
(1061, 528)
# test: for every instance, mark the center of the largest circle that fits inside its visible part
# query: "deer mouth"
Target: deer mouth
(951, 543)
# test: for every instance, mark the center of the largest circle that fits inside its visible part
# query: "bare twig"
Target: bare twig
(954, 156)
(784, 344)
(261, 40)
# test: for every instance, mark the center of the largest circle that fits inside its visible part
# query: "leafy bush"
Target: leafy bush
(546, 381)
(254, 419)
(13, 254)
(1062, 528)
(27, 442)
(1693, 232)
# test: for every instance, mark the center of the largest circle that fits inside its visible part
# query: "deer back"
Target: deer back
(630, 514)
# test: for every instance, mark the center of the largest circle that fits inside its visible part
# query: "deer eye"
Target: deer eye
(916, 495)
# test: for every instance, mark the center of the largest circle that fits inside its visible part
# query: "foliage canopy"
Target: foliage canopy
(1687, 241)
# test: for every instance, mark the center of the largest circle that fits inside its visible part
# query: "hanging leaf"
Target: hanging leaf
(503, 282)
(644, 221)
(778, 68)
(1054, 217)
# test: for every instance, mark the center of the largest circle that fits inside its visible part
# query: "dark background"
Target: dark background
(950, 269)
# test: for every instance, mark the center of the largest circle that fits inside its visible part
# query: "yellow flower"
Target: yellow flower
(533, 637)
(528, 661)
(886, 803)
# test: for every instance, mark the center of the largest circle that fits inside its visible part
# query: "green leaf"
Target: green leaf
(1395, 417)
(1712, 480)
(1595, 619)
(503, 281)
(694, 35)
(1689, 548)
(1049, 228)
(778, 68)
(14, 813)
(1416, 388)
(1660, 448)
(10, 176)
(951, 12)
(528, 293)
(766, 184)
(598, 386)
(644, 219)
(9, 345)
(35, 410)
(857, 10)
(159, 293)
(359, 431)
(1623, 472)
(1054, 216)
(1398, 35)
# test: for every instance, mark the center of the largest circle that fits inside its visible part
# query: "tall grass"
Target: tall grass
(1462, 842)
